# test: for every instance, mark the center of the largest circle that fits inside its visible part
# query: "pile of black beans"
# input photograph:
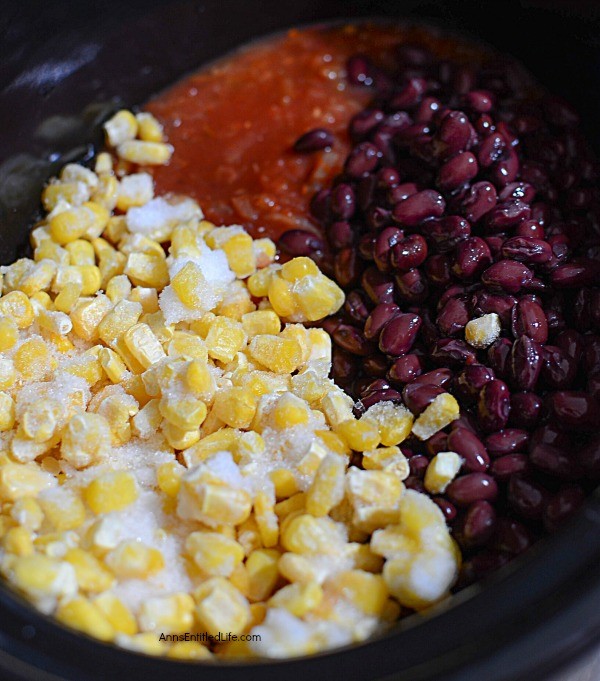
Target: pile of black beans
(468, 191)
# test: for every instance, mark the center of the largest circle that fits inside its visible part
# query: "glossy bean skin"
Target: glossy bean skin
(527, 498)
(525, 363)
(468, 489)
(574, 409)
(399, 334)
(296, 242)
(314, 140)
(507, 275)
(493, 407)
(378, 318)
(507, 441)
(405, 369)
(470, 380)
(526, 409)
(470, 448)
(418, 207)
(528, 318)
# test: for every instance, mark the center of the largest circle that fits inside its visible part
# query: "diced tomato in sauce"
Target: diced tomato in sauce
(234, 123)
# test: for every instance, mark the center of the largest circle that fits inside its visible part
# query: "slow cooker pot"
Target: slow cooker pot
(63, 67)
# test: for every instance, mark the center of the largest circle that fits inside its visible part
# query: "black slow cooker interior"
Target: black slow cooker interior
(63, 67)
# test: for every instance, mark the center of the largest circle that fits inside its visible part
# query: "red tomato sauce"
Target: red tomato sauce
(233, 124)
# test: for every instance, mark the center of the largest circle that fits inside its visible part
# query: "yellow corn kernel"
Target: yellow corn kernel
(118, 288)
(111, 264)
(394, 421)
(73, 193)
(258, 283)
(214, 553)
(86, 440)
(265, 250)
(188, 346)
(113, 365)
(112, 491)
(41, 300)
(147, 421)
(299, 599)
(7, 412)
(360, 434)
(281, 296)
(316, 297)
(146, 297)
(18, 541)
(289, 411)
(387, 458)
(224, 339)
(442, 469)
(23, 480)
(235, 406)
(9, 333)
(63, 509)
(103, 163)
(134, 560)
(61, 343)
(106, 192)
(33, 359)
(122, 317)
(68, 296)
(263, 573)
(309, 386)
(482, 332)
(296, 502)
(170, 614)
(28, 513)
(266, 519)
(240, 255)
(337, 407)
(69, 225)
(38, 278)
(143, 345)
(186, 413)
(91, 279)
(220, 441)
(145, 153)
(178, 438)
(189, 650)
(364, 590)
(212, 504)
(202, 326)
(284, 482)
(81, 252)
(15, 273)
(121, 127)
(248, 536)
(57, 323)
(221, 607)
(442, 411)
(280, 355)
(117, 613)
(168, 477)
(16, 306)
(83, 615)
(333, 442)
(298, 568)
(86, 315)
(116, 229)
(91, 575)
(297, 268)
(149, 129)
(261, 322)
(87, 367)
(306, 534)
(39, 421)
(327, 489)
(41, 577)
(147, 270)
(97, 217)
(200, 380)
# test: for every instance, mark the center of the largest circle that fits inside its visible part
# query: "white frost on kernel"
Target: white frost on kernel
(159, 217)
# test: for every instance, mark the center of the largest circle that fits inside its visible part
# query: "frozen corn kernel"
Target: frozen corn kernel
(316, 297)
(111, 492)
(327, 489)
(28, 513)
(299, 599)
(442, 469)
(23, 480)
(240, 254)
(117, 613)
(85, 314)
(280, 355)
(235, 406)
(390, 459)
(81, 614)
(134, 560)
(149, 128)
(86, 440)
(187, 413)
(225, 337)
(18, 541)
(7, 412)
(16, 306)
(121, 127)
(281, 296)
(43, 578)
(92, 576)
(145, 153)
(57, 323)
(266, 519)
(169, 614)
(360, 434)
(134, 190)
(214, 553)
(33, 359)
(393, 420)
(258, 283)
(289, 411)
(63, 508)
(483, 331)
(263, 573)
(9, 333)
(38, 278)
(307, 534)
(364, 590)
(113, 365)
(261, 322)
(147, 270)
(337, 407)
(168, 477)
(221, 607)
(441, 412)
(143, 345)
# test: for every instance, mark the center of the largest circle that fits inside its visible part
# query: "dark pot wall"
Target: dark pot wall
(63, 66)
